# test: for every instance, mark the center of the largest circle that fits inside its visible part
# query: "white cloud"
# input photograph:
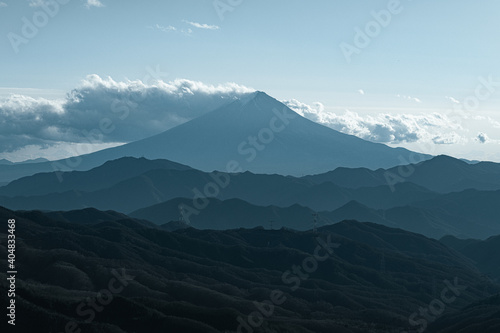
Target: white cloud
(361, 91)
(449, 139)
(134, 109)
(202, 25)
(169, 28)
(493, 122)
(3, 4)
(383, 127)
(163, 28)
(453, 100)
(94, 3)
(184, 31)
(414, 99)
(483, 138)
(138, 109)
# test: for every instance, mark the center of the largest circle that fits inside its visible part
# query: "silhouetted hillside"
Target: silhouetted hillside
(436, 221)
(483, 316)
(130, 184)
(160, 185)
(442, 174)
(484, 253)
(106, 175)
(365, 278)
(230, 214)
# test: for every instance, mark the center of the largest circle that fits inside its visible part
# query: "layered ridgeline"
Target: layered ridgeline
(483, 252)
(152, 189)
(442, 174)
(257, 133)
(103, 272)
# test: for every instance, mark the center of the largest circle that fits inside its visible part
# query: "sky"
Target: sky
(421, 74)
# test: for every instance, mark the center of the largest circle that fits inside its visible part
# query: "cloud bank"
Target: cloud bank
(384, 127)
(102, 110)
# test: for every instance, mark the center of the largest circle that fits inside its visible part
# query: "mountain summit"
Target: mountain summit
(256, 133)
(261, 135)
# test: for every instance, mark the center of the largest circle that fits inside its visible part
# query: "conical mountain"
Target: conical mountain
(261, 135)
(256, 133)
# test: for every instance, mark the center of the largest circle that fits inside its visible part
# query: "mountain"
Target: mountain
(91, 216)
(230, 214)
(262, 135)
(481, 207)
(366, 278)
(328, 196)
(157, 186)
(257, 133)
(433, 221)
(482, 316)
(350, 177)
(106, 175)
(480, 251)
(130, 184)
(160, 185)
(354, 210)
(442, 174)
(5, 162)
(446, 174)
(35, 160)
(235, 213)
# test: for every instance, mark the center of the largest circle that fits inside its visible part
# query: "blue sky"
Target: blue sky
(427, 59)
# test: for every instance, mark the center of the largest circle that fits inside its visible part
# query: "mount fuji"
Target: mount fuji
(256, 133)
(261, 135)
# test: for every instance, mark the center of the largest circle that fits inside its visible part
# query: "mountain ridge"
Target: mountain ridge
(259, 134)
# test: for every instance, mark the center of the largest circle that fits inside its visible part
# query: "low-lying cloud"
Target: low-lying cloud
(102, 112)
(133, 109)
(384, 127)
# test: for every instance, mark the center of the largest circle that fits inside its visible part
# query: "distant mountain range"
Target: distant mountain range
(109, 174)
(257, 133)
(482, 252)
(442, 174)
(370, 277)
(138, 184)
(230, 214)
(435, 218)
(36, 160)
(255, 195)
(234, 213)
(152, 190)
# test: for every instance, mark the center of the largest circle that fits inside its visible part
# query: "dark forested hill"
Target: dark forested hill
(348, 277)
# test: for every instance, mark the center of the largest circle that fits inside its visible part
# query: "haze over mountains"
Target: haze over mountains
(256, 133)
(441, 174)
(154, 189)
(206, 239)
